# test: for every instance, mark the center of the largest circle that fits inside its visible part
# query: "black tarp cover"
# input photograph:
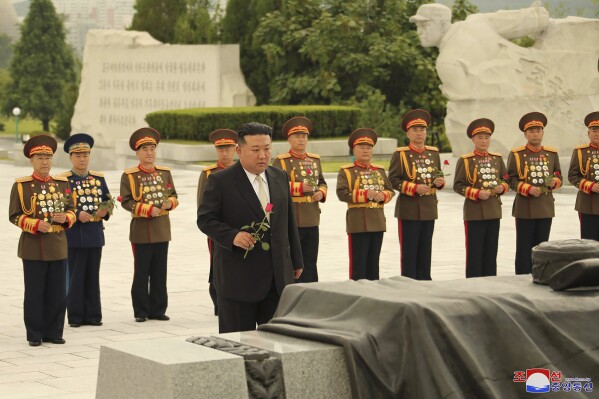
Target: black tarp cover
(447, 339)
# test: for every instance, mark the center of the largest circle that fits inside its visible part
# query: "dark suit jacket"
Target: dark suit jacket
(228, 203)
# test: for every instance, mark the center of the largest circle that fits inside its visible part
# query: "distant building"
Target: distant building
(9, 23)
(83, 15)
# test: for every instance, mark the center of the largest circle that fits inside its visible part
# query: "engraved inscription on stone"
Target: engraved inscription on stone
(127, 75)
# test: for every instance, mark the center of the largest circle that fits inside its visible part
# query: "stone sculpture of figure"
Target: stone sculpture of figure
(484, 73)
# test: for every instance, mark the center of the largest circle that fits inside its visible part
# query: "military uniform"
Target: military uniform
(304, 169)
(584, 174)
(474, 172)
(365, 218)
(85, 239)
(416, 214)
(142, 190)
(32, 199)
(529, 167)
(219, 137)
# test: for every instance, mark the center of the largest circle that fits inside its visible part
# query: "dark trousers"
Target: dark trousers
(482, 237)
(45, 298)
(529, 232)
(416, 242)
(364, 253)
(589, 226)
(211, 286)
(236, 316)
(309, 239)
(148, 291)
(83, 301)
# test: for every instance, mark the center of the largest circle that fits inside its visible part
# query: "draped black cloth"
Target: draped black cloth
(446, 339)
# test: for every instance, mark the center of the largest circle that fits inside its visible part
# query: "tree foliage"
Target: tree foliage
(461, 9)
(158, 18)
(41, 66)
(239, 24)
(5, 50)
(200, 24)
(339, 51)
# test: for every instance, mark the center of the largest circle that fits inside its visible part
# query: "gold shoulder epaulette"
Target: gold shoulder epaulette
(68, 173)
(311, 155)
(162, 168)
(495, 154)
(517, 149)
(402, 148)
(349, 165)
(431, 148)
(284, 155)
(60, 177)
(469, 155)
(378, 166)
(587, 145)
(132, 170)
(24, 179)
(210, 167)
(99, 174)
(550, 149)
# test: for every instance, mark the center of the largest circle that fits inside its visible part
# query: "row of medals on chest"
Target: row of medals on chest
(595, 163)
(87, 191)
(538, 171)
(424, 167)
(488, 173)
(370, 180)
(305, 165)
(151, 188)
(46, 199)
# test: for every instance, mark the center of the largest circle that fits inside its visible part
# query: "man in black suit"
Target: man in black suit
(250, 274)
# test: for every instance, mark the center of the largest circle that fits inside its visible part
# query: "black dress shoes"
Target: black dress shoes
(93, 323)
(35, 342)
(162, 317)
(57, 341)
(75, 325)
(141, 319)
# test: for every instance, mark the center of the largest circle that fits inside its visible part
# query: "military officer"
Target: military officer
(366, 189)
(148, 192)
(41, 206)
(584, 174)
(86, 237)
(225, 141)
(416, 172)
(534, 173)
(308, 188)
(481, 177)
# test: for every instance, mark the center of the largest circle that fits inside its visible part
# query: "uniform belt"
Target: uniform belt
(162, 213)
(432, 191)
(375, 205)
(302, 199)
(55, 228)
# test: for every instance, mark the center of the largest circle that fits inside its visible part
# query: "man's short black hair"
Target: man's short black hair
(253, 129)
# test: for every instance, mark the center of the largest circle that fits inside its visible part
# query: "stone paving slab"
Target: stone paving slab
(70, 371)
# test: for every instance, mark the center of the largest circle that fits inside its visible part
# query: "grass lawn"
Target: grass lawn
(26, 125)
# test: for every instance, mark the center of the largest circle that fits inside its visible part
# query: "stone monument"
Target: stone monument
(484, 74)
(127, 74)
(9, 23)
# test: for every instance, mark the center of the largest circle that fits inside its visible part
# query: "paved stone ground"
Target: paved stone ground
(70, 371)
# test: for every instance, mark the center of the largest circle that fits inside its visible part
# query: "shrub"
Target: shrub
(197, 123)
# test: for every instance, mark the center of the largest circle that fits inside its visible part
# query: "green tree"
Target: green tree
(197, 26)
(461, 9)
(158, 18)
(41, 66)
(5, 50)
(239, 24)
